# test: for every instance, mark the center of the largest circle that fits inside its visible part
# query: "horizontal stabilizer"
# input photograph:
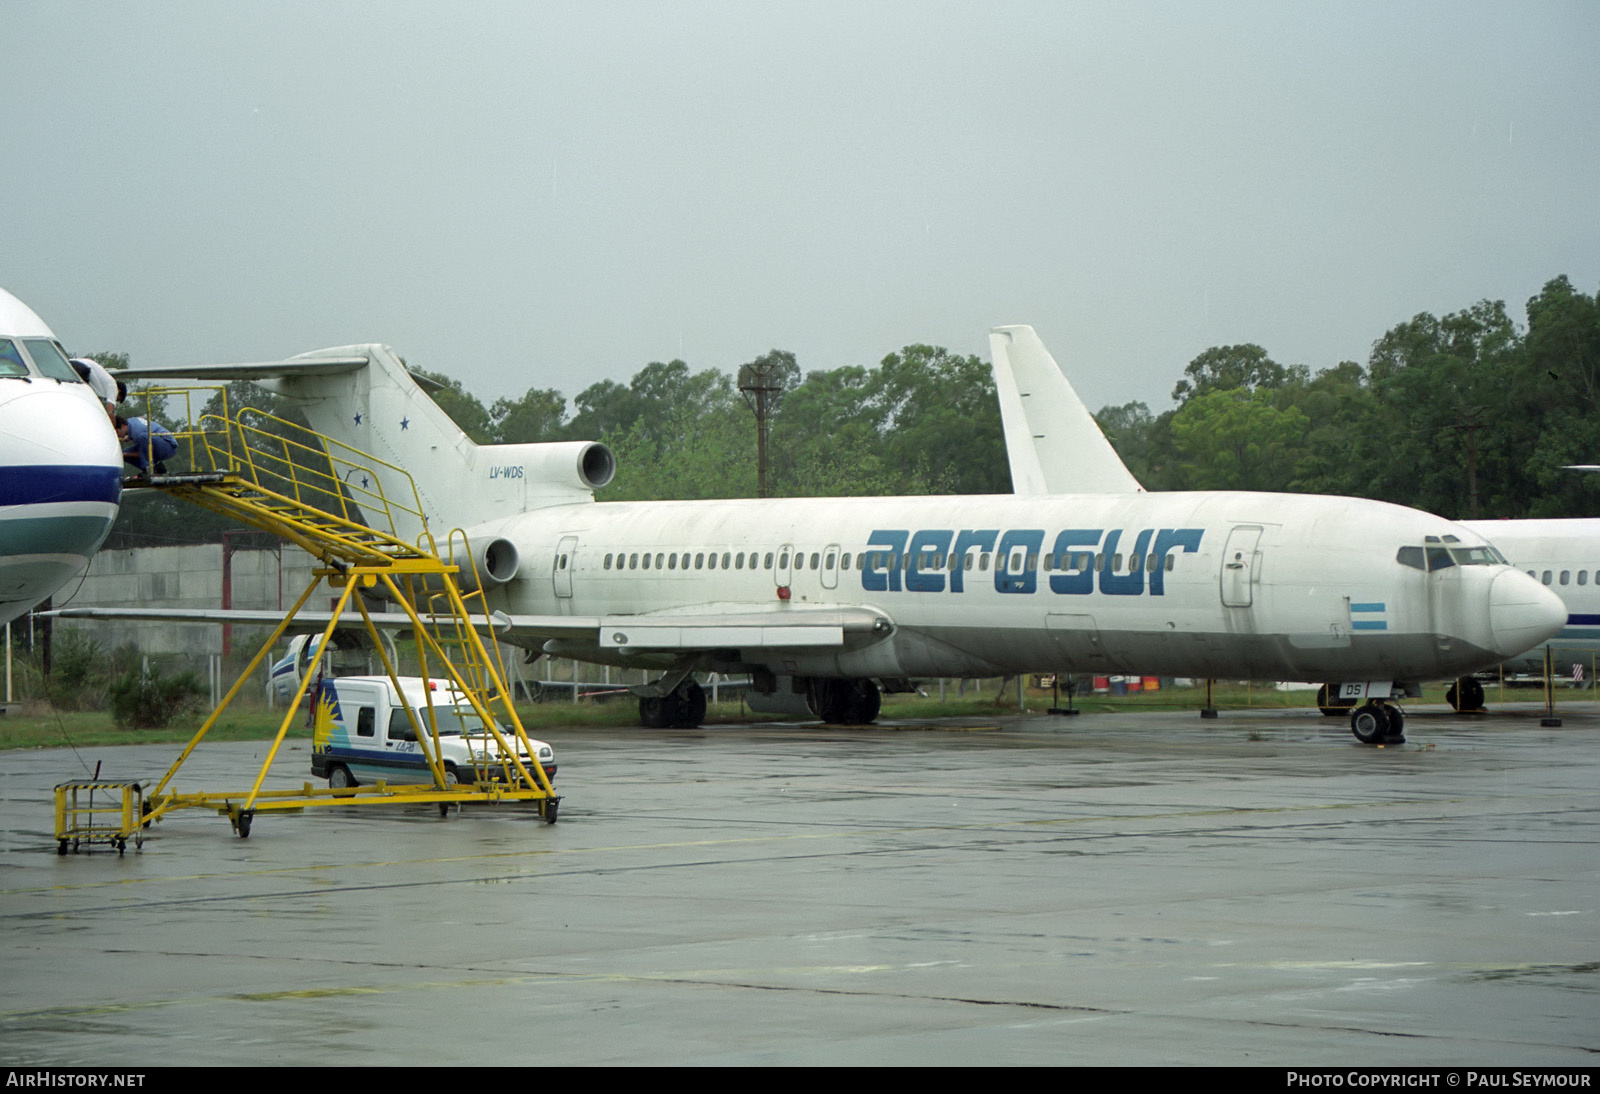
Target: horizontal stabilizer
(259, 370)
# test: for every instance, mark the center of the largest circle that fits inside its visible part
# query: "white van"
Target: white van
(362, 734)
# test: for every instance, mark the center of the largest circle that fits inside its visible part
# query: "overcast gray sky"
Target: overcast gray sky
(547, 194)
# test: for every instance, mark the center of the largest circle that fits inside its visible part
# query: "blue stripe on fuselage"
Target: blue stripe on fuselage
(38, 484)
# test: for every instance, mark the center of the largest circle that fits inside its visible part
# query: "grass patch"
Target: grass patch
(37, 726)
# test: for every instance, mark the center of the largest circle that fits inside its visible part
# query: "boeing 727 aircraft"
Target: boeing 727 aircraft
(821, 599)
(60, 464)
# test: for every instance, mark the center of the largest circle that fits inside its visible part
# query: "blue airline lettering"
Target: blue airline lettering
(933, 542)
(1082, 581)
(982, 539)
(1166, 540)
(1132, 582)
(1027, 580)
(898, 549)
(875, 580)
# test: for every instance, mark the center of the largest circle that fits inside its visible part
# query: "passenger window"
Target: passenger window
(672, 561)
(11, 363)
(1172, 560)
(1116, 563)
(608, 562)
(700, 561)
(768, 565)
(1032, 563)
(829, 560)
(711, 561)
(783, 560)
(983, 561)
(1583, 577)
(738, 560)
(1565, 574)
(658, 560)
(1135, 563)
(725, 559)
(633, 562)
(1546, 578)
(844, 561)
(366, 722)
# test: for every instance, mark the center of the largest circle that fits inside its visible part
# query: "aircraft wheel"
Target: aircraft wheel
(689, 702)
(869, 700)
(245, 817)
(1397, 724)
(655, 712)
(1452, 696)
(832, 700)
(1370, 723)
(339, 777)
(1471, 694)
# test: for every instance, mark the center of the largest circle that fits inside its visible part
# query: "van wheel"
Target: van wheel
(339, 777)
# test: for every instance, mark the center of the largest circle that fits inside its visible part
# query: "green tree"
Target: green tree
(540, 415)
(463, 407)
(1237, 440)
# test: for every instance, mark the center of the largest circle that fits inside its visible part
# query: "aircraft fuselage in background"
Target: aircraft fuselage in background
(60, 464)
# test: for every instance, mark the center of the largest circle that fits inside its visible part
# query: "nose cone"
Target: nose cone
(1522, 613)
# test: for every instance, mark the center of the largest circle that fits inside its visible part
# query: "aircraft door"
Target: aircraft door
(1241, 564)
(562, 566)
(830, 566)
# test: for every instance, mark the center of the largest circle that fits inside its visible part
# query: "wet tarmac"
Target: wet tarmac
(1109, 889)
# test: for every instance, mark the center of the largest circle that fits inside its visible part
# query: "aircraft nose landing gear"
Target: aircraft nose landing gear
(1375, 723)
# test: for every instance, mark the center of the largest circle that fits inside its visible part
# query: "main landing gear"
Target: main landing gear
(1465, 694)
(1378, 723)
(851, 702)
(682, 708)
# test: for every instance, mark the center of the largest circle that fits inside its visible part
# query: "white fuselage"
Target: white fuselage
(1564, 556)
(1247, 585)
(60, 464)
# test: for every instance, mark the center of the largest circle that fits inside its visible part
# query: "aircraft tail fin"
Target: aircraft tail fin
(363, 397)
(1054, 444)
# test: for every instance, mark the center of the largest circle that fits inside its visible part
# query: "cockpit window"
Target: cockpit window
(1411, 556)
(50, 360)
(1476, 556)
(1439, 559)
(11, 363)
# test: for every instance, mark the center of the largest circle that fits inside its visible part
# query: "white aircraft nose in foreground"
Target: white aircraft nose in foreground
(822, 600)
(60, 464)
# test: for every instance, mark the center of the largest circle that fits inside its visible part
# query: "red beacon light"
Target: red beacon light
(783, 592)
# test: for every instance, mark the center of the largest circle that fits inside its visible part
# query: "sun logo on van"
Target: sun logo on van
(327, 715)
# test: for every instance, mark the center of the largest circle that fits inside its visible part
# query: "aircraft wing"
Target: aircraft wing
(774, 628)
(778, 627)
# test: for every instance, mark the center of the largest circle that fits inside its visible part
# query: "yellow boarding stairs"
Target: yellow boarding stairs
(342, 506)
